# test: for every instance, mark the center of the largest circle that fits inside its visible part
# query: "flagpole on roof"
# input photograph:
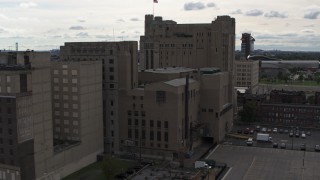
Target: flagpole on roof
(154, 1)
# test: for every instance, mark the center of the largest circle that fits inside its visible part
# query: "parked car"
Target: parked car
(275, 145)
(317, 148)
(275, 130)
(291, 134)
(270, 138)
(269, 130)
(264, 130)
(303, 147)
(308, 133)
(251, 131)
(297, 134)
(258, 128)
(246, 131)
(283, 145)
(250, 142)
(286, 131)
(281, 131)
(303, 136)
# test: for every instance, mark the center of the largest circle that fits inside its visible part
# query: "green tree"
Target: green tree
(280, 75)
(111, 166)
(249, 111)
(300, 77)
(311, 99)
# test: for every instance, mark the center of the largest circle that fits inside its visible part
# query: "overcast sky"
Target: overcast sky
(47, 24)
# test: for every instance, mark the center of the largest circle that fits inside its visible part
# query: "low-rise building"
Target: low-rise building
(247, 74)
(169, 113)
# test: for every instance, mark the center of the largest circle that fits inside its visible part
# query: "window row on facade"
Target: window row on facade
(153, 135)
(152, 123)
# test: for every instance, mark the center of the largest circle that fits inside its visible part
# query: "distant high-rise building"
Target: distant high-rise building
(247, 45)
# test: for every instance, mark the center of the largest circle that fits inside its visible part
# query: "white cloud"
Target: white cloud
(312, 14)
(82, 35)
(134, 19)
(28, 4)
(211, 4)
(275, 14)
(309, 31)
(76, 28)
(238, 11)
(254, 12)
(190, 6)
(81, 19)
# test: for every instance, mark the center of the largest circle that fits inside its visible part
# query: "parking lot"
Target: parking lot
(291, 142)
(252, 163)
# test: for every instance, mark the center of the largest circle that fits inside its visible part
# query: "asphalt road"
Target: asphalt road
(256, 163)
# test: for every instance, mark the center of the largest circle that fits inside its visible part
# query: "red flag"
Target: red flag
(155, 1)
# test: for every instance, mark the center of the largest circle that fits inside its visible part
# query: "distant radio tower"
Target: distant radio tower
(17, 47)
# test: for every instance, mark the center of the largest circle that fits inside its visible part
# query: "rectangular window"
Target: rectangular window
(166, 136)
(129, 113)
(136, 122)
(129, 134)
(161, 97)
(8, 79)
(151, 123)
(74, 72)
(74, 89)
(74, 81)
(56, 80)
(75, 106)
(151, 135)
(111, 61)
(143, 134)
(9, 111)
(143, 122)
(129, 121)
(158, 136)
(136, 133)
(111, 86)
(75, 114)
(65, 80)
(111, 78)
(166, 124)
(111, 69)
(159, 124)
(65, 72)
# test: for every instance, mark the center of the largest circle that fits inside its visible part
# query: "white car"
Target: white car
(303, 136)
(275, 130)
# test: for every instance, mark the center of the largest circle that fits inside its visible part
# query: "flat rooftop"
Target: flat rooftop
(179, 82)
(169, 70)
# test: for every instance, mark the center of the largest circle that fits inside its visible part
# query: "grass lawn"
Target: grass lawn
(94, 171)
